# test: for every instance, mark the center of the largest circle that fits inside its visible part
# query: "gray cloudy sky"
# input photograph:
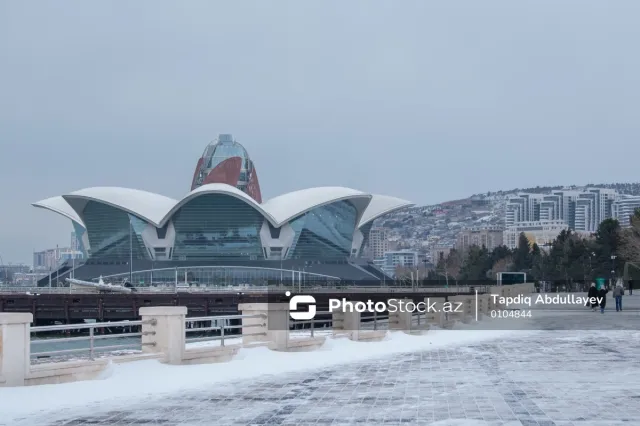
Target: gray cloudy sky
(426, 100)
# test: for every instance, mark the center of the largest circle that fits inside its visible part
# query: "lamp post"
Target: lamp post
(613, 268)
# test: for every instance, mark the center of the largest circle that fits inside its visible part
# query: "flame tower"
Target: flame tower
(226, 161)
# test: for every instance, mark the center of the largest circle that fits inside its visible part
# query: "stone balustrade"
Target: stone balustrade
(163, 335)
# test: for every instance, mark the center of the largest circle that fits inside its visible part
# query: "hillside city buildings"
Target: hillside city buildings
(543, 216)
(581, 210)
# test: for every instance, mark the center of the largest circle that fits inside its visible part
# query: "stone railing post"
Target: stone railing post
(254, 329)
(435, 315)
(400, 320)
(337, 322)
(271, 327)
(462, 307)
(352, 324)
(15, 348)
(497, 291)
(483, 304)
(163, 331)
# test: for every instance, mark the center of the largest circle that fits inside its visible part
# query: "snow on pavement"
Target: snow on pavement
(139, 379)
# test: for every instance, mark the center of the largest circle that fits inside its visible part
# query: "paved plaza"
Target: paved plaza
(580, 375)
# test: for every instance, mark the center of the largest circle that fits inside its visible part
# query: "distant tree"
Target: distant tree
(537, 262)
(476, 264)
(607, 243)
(501, 265)
(522, 254)
(453, 264)
(535, 250)
(500, 252)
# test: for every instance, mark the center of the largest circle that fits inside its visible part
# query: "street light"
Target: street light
(613, 266)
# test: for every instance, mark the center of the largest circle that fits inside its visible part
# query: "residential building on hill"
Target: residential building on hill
(580, 210)
(489, 237)
(541, 232)
(624, 208)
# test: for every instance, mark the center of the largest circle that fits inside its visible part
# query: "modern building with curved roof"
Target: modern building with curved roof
(223, 226)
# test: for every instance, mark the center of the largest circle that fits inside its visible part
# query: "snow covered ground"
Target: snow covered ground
(124, 383)
(569, 376)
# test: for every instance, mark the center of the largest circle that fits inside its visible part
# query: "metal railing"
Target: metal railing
(257, 289)
(369, 321)
(91, 338)
(221, 328)
(375, 321)
(312, 323)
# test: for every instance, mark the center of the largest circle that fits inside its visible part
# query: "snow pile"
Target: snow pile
(123, 383)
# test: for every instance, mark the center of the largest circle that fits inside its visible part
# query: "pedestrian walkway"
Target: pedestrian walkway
(574, 376)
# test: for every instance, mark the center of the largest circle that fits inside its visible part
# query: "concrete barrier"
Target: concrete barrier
(65, 372)
(206, 355)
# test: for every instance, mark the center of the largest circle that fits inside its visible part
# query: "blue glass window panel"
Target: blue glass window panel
(324, 232)
(113, 233)
(217, 227)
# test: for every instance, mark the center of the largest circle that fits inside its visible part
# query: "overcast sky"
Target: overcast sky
(425, 100)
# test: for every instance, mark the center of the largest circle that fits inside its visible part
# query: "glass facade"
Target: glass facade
(324, 232)
(366, 233)
(224, 151)
(217, 227)
(80, 232)
(114, 233)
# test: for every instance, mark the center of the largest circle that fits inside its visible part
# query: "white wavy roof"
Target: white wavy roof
(287, 206)
(381, 205)
(146, 205)
(158, 209)
(217, 188)
(59, 205)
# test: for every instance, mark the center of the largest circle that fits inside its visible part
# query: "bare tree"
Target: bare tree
(453, 264)
(501, 265)
(629, 247)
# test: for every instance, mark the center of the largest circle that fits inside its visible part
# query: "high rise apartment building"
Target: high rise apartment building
(624, 207)
(378, 243)
(581, 210)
